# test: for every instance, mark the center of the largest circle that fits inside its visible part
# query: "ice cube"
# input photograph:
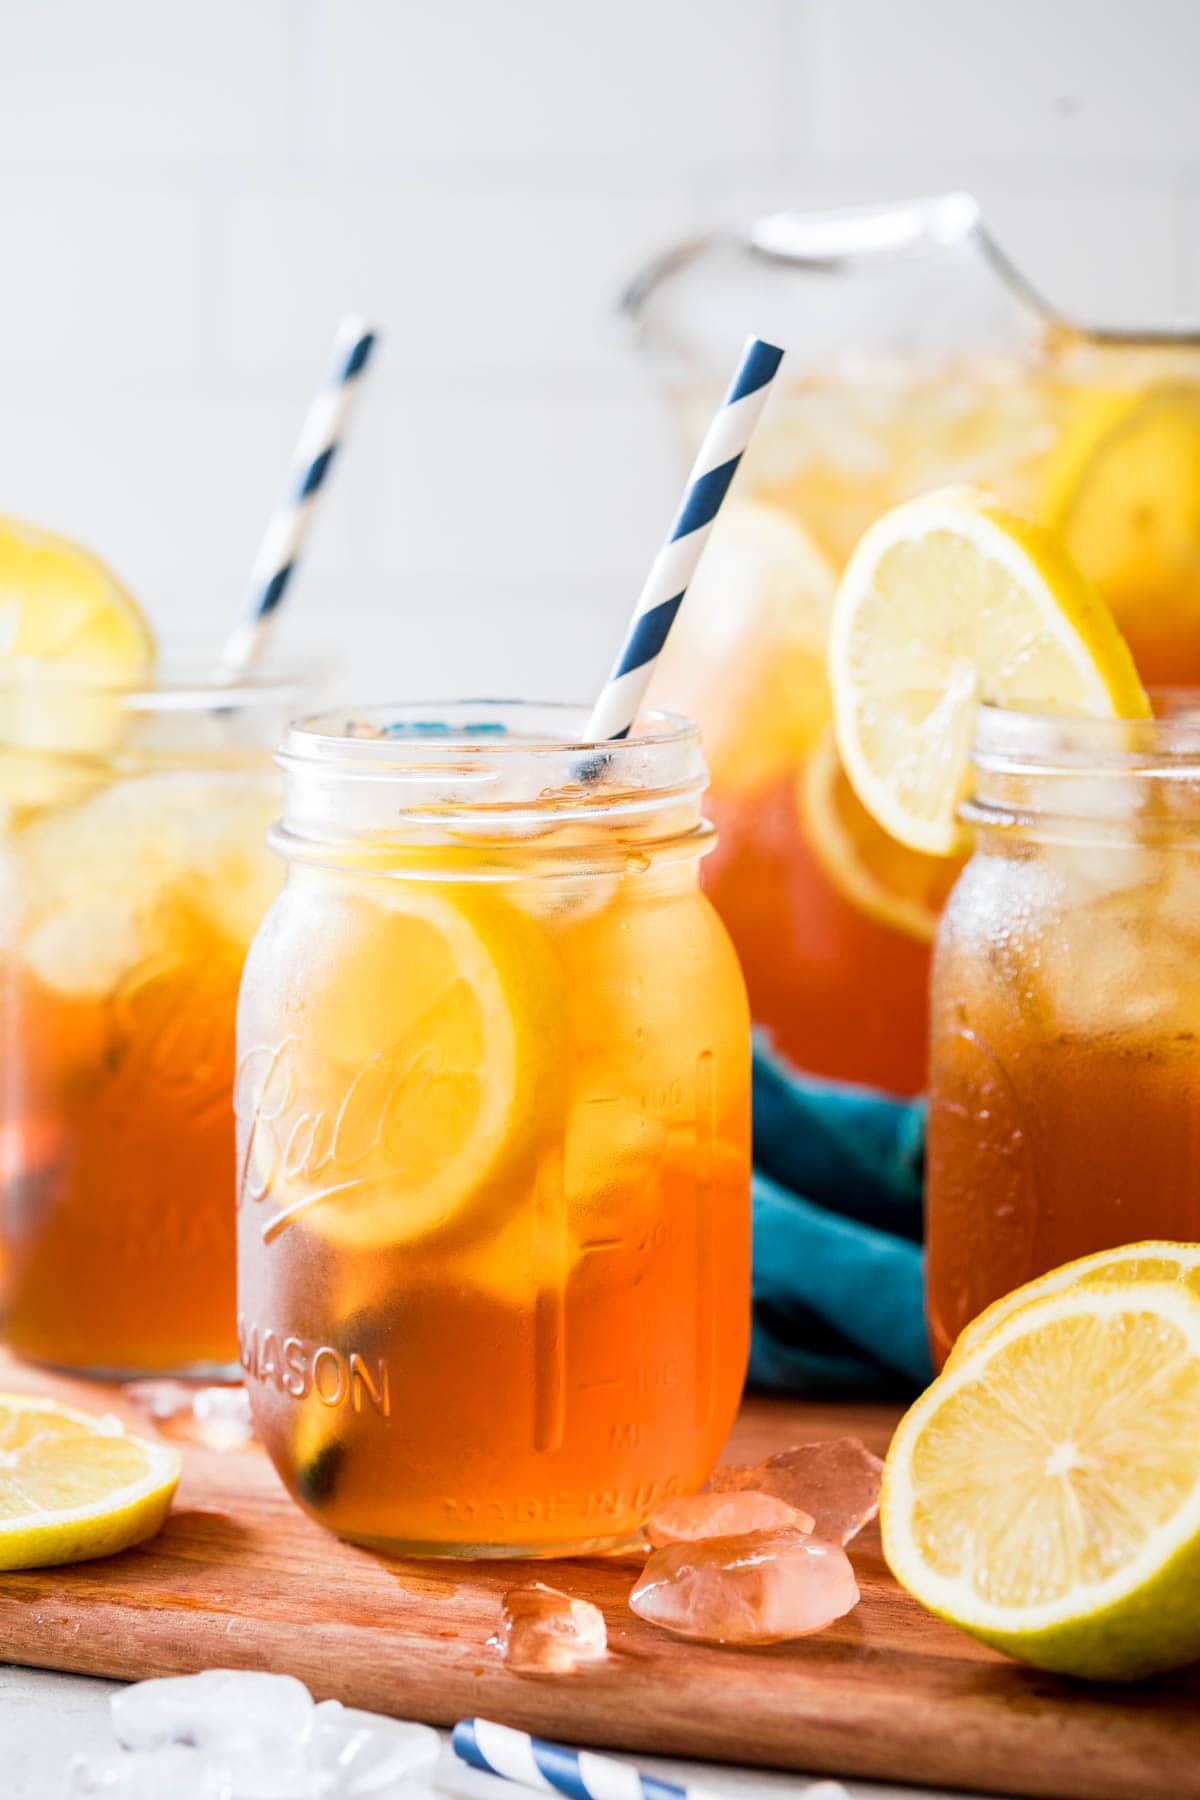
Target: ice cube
(84, 951)
(692, 1517)
(729, 1478)
(168, 1770)
(235, 1735)
(836, 1480)
(217, 1417)
(357, 1755)
(545, 1632)
(220, 1707)
(762, 1588)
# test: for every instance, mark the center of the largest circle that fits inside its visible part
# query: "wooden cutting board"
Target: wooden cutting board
(240, 1578)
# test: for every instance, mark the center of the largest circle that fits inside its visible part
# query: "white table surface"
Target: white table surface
(46, 1718)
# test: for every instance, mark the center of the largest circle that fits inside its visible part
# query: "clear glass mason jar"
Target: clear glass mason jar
(494, 1150)
(133, 874)
(1064, 1085)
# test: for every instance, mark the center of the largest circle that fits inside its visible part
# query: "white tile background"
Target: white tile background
(190, 194)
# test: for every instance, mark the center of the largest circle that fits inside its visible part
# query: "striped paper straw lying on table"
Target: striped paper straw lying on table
(518, 1757)
(675, 564)
(582, 1774)
(288, 526)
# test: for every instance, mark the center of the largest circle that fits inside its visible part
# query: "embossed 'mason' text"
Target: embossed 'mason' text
(300, 1366)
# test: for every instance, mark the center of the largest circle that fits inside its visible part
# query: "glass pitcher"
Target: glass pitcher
(917, 356)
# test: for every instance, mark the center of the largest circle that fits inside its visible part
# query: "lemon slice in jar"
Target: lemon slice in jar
(1123, 494)
(746, 659)
(1044, 1493)
(74, 1486)
(949, 601)
(896, 886)
(1154, 1259)
(414, 1078)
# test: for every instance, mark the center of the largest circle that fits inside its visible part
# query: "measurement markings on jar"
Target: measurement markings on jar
(705, 1301)
(550, 1309)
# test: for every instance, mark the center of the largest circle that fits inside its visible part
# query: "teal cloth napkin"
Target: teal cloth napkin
(838, 1218)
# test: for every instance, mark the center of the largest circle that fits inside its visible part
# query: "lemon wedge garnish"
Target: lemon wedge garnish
(74, 1486)
(899, 887)
(747, 656)
(1123, 494)
(1044, 1493)
(403, 1089)
(949, 601)
(1154, 1259)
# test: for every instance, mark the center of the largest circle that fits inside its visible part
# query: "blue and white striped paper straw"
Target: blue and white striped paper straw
(582, 1774)
(289, 524)
(675, 564)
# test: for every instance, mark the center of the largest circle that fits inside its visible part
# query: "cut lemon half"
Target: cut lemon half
(747, 657)
(1123, 494)
(882, 878)
(74, 1486)
(1044, 1493)
(1155, 1259)
(946, 602)
(404, 1094)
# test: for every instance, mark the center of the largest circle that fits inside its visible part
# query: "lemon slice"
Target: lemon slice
(74, 1486)
(405, 1091)
(72, 640)
(1155, 1259)
(747, 657)
(949, 601)
(882, 878)
(61, 609)
(1123, 494)
(1044, 1493)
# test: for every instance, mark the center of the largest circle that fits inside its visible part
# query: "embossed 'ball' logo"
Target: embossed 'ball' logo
(317, 1152)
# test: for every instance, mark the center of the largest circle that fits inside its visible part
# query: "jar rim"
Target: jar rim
(508, 768)
(1008, 741)
(406, 735)
(188, 678)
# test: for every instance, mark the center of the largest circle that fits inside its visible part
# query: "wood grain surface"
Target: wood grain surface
(240, 1578)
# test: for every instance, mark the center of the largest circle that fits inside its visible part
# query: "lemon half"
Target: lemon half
(73, 1486)
(1154, 1259)
(1044, 1493)
(948, 601)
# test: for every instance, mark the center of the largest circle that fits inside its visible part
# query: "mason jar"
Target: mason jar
(493, 1115)
(133, 874)
(1064, 1086)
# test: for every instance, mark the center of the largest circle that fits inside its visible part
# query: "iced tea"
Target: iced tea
(1065, 1048)
(133, 877)
(493, 1104)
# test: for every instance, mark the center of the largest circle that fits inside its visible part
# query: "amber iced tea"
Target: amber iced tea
(1065, 1046)
(134, 877)
(493, 1099)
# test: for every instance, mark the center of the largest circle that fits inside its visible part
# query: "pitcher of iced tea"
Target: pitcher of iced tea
(917, 356)
(493, 1127)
